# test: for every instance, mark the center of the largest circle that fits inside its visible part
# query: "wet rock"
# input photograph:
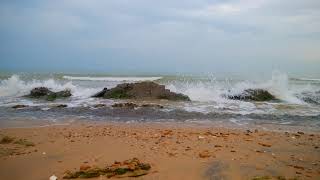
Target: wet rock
(19, 106)
(45, 93)
(39, 92)
(129, 168)
(99, 105)
(101, 93)
(125, 105)
(253, 95)
(64, 93)
(152, 106)
(61, 106)
(141, 91)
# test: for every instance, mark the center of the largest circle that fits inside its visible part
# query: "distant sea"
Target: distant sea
(298, 105)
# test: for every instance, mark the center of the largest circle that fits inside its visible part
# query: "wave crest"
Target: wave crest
(112, 79)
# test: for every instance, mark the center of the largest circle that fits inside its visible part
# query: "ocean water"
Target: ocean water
(298, 105)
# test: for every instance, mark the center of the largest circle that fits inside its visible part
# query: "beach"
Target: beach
(174, 151)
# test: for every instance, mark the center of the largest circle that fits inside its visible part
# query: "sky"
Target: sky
(167, 36)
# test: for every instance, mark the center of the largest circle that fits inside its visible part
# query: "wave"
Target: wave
(305, 79)
(212, 91)
(14, 87)
(216, 91)
(113, 79)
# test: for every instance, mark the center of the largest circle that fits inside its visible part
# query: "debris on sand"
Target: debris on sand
(6, 140)
(129, 168)
(24, 142)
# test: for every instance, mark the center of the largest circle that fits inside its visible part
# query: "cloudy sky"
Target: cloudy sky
(167, 36)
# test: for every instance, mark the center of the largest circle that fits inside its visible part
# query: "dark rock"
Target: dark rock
(101, 93)
(125, 105)
(99, 105)
(45, 93)
(152, 106)
(310, 97)
(253, 95)
(142, 91)
(61, 106)
(19, 106)
(39, 92)
(64, 93)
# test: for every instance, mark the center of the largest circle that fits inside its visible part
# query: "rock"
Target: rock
(265, 145)
(204, 154)
(152, 106)
(142, 91)
(310, 97)
(45, 93)
(101, 93)
(125, 105)
(53, 177)
(99, 105)
(253, 95)
(84, 167)
(64, 93)
(129, 168)
(39, 92)
(19, 106)
(61, 106)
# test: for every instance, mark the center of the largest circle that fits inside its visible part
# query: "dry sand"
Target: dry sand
(174, 151)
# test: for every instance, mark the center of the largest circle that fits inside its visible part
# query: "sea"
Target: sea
(297, 107)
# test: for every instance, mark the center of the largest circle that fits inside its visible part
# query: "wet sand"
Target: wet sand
(174, 151)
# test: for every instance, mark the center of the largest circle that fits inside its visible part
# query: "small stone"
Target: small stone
(265, 145)
(53, 177)
(204, 154)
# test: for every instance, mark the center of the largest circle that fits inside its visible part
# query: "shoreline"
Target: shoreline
(174, 150)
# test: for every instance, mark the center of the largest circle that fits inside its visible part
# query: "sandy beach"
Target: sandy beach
(174, 151)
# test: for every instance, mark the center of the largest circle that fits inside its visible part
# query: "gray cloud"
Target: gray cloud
(162, 35)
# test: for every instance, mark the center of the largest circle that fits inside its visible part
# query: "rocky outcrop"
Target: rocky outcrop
(19, 106)
(310, 97)
(125, 105)
(129, 105)
(45, 93)
(101, 93)
(142, 91)
(253, 95)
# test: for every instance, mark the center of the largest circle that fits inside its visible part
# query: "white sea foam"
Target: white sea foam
(207, 96)
(14, 87)
(114, 79)
(217, 91)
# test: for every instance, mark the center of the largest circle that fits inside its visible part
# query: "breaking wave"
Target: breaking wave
(112, 79)
(212, 90)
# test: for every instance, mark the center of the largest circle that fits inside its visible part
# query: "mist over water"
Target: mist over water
(299, 98)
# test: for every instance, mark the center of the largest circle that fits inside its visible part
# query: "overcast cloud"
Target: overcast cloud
(160, 36)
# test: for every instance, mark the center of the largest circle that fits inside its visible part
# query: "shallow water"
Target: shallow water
(298, 105)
